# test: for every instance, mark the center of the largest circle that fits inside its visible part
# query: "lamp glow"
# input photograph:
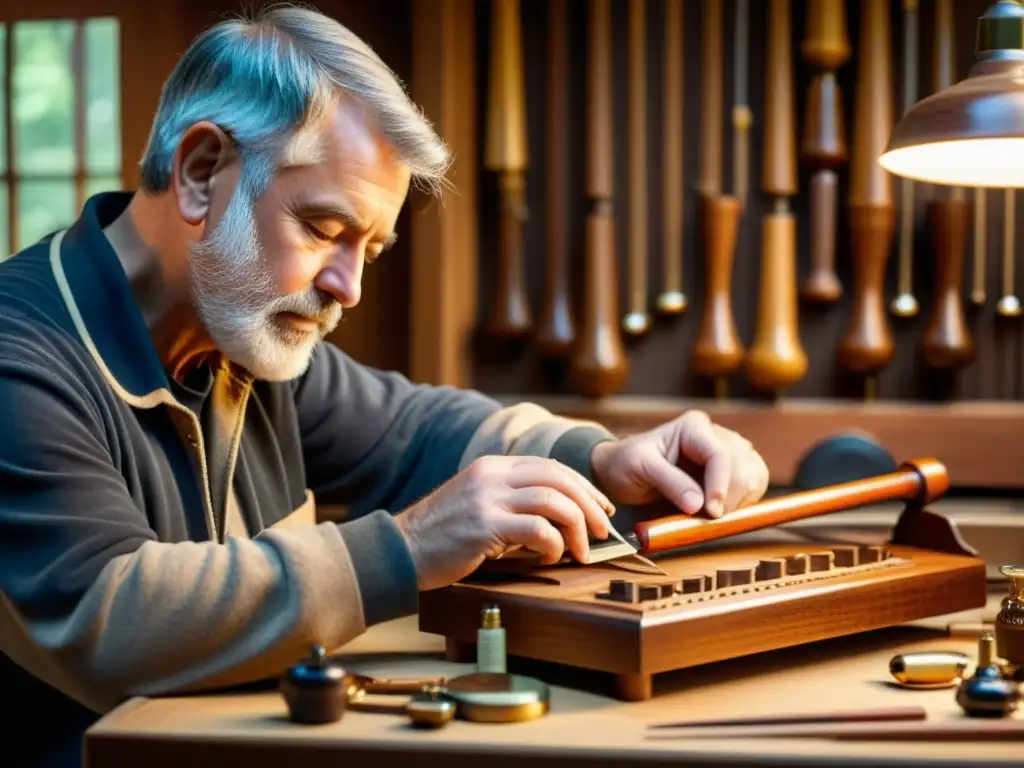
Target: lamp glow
(971, 134)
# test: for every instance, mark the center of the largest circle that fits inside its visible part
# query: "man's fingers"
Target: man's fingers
(557, 508)
(673, 483)
(534, 533)
(700, 444)
(534, 471)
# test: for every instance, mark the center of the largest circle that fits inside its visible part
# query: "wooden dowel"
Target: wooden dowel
(945, 731)
(925, 477)
(877, 714)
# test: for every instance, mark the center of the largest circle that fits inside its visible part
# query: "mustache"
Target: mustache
(312, 304)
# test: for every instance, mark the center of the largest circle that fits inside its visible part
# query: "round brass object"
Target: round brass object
(929, 669)
(430, 709)
(485, 697)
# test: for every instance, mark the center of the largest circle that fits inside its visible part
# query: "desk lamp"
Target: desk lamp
(972, 133)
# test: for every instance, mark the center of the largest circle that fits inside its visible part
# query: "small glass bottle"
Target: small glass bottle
(1010, 621)
(490, 642)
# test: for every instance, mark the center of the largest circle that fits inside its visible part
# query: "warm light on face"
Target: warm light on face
(997, 163)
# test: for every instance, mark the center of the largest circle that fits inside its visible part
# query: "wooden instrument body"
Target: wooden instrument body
(559, 615)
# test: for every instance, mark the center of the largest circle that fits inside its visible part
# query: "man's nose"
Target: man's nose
(342, 279)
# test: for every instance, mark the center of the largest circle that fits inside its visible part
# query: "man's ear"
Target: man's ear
(205, 150)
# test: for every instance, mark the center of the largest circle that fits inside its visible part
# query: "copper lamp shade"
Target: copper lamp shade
(971, 134)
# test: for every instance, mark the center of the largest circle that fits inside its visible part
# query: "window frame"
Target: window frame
(77, 11)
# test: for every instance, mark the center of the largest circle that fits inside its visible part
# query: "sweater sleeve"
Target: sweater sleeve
(92, 603)
(375, 440)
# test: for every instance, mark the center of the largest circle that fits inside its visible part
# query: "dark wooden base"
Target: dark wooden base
(978, 442)
(570, 623)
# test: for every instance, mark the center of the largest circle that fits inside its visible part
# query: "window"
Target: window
(60, 123)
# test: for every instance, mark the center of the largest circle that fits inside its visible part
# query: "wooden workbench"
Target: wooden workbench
(585, 727)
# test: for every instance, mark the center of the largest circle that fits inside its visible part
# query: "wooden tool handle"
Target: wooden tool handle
(920, 481)
(600, 171)
(717, 350)
(637, 321)
(672, 299)
(506, 152)
(557, 330)
(779, 176)
(599, 366)
(873, 108)
(868, 346)
(710, 180)
(826, 47)
(822, 283)
(776, 360)
(510, 308)
(947, 342)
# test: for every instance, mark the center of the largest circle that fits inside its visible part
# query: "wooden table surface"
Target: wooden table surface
(584, 727)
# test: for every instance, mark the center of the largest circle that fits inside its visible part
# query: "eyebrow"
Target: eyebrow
(342, 214)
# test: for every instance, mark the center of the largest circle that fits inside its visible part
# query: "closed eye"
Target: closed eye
(315, 231)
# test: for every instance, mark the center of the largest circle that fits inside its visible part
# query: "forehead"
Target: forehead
(342, 154)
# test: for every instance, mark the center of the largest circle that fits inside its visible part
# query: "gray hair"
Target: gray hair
(265, 78)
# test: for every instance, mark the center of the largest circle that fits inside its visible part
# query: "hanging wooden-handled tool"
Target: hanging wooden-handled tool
(672, 300)
(506, 153)
(1009, 302)
(637, 320)
(717, 350)
(868, 345)
(599, 365)
(905, 303)
(826, 47)
(556, 329)
(776, 360)
(947, 343)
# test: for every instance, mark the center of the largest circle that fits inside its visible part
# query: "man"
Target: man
(169, 410)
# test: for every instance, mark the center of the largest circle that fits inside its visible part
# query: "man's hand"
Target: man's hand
(664, 462)
(500, 502)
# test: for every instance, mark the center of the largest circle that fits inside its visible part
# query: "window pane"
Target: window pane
(102, 97)
(43, 98)
(44, 206)
(97, 184)
(5, 245)
(3, 108)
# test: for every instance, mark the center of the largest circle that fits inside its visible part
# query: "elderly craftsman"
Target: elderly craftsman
(169, 409)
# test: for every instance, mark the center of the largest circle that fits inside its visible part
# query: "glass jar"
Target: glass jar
(1010, 621)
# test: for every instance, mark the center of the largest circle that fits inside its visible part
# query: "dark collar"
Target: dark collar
(102, 305)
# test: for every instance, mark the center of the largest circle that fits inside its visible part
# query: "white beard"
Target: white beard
(234, 295)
